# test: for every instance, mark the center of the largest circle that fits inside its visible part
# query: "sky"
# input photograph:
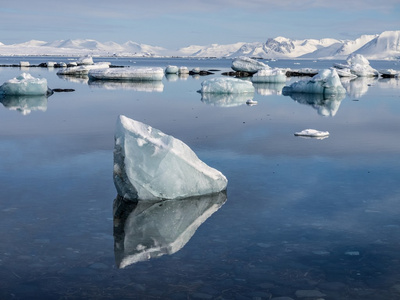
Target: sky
(174, 24)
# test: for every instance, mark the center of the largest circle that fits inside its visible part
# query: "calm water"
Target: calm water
(301, 217)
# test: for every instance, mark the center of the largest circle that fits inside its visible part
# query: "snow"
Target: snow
(326, 82)
(312, 133)
(151, 230)
(25, 84)
(128, 73)
(359, 66)
(246, 64)
(83, 69)
(275, 75)
(226, 85)
(171, 70)
(151, 165)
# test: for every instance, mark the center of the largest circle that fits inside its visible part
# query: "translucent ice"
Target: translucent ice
(149, 164)
(25, 84)
(128, 73)
(226, 85)
(326, 82)
(149, 229)
(269, 75)
(247, 64)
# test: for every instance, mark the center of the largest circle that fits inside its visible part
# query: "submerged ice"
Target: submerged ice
(151, 165)
(25, 85)
(326, 82)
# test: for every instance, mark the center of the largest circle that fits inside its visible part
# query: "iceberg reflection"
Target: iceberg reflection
(139, 86)
(145, 230)
(225, 100)
(25, 104)
(83, 79)
(356, 88)
(326, 105)
(270, 88)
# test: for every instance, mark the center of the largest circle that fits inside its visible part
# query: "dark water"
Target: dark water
(302, 218)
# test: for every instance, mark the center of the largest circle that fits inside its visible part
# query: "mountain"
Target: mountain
(379, 46)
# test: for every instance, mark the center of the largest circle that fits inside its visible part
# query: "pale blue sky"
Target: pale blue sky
(174, 24)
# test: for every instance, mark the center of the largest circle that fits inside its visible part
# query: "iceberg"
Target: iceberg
(226, 85)
(25, 84)
(326, 82)
(312, 133)
(146, 230)
(269, 75)
(247, 64)
(86, 60)
(358, 65)
(83, 70)
(151, 165)
(171, 70)
(128, 73)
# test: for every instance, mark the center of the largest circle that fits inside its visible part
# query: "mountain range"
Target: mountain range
(385, 45)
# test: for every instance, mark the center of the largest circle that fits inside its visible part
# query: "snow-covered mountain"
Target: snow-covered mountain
(380, 46)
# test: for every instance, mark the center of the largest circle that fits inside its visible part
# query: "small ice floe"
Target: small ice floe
(251, 102)
(86, 60)
(226, 85)
(25, 85)
(326, 82)
(247, 64)
(269, 75)
(143, 160)
(196, 70)
(345, 72)
(24, 64)
(171, 70)
(312, 133)
(51, 64)
(183, 70)
(389, 73)
(83, 70)
(128, 73)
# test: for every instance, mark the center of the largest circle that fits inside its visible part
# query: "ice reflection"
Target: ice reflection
(266, 89)
(225, 100)
(75, 79)
(356, 88)
(326, 105)
(25, 104)
(139, 86)
(149, 229)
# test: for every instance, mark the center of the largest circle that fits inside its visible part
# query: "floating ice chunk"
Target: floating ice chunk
(358, 66)
(196, 70)
(345, 72)
(312, 133)
(171, 70)
(226, 85)
(149, 164)
(247, 64)
(251, 102)
(82, 70)
(25, 84)
(151, 229)
(86, 60)
(129, 73)
(183, 70)
(269, 75)
(326, 82)
(268, 88)
(389, 73)
(51, 64)
(24, 64)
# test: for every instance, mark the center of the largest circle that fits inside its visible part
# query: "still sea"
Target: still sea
(302, 218)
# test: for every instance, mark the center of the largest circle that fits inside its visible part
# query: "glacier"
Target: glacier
(275, 75)
(226, 85)
(151, 165)
(26, 85)
(148, 229)
(326, 82)
(127, 73)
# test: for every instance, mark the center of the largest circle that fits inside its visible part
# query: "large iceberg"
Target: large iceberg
(26, 85)
(226, 85)
(128, 73)
(83, 70)
(269, 75)
(247, 64)
(326, 82)
(357, 65)
(148, 229)
(151, 165)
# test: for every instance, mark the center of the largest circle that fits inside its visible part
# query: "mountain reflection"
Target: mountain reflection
(149, 229)
(326, 105)
(139, 86)
(225, 100)
(25, 104)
